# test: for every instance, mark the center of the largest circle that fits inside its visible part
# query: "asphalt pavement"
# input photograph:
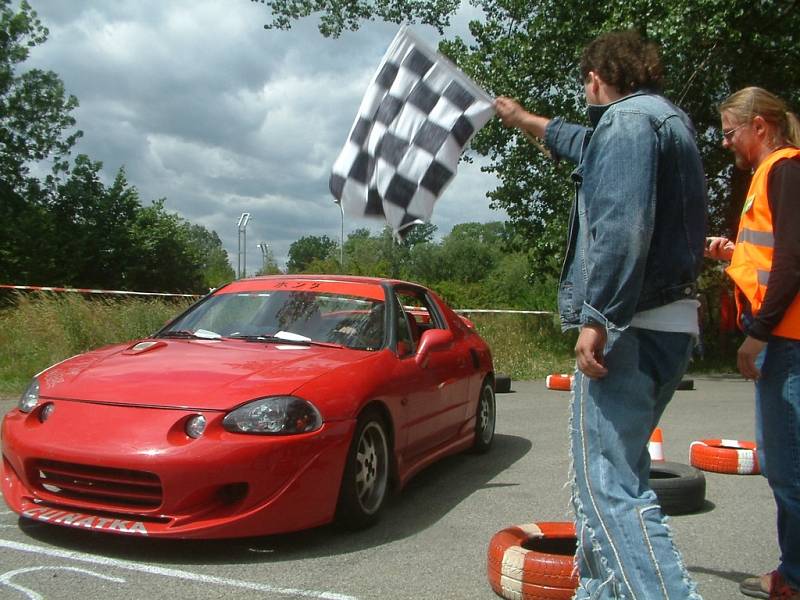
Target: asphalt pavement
(432, 541)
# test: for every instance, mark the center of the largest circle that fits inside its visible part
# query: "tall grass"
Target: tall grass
(37, 330)
(526, 346)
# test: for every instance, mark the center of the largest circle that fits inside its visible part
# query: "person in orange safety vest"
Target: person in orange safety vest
(764, 136)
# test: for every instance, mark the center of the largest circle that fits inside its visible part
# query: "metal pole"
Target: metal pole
(243, 220)
(264, 254)
(239, 251)
(341, 238)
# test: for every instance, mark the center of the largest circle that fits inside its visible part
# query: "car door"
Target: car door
(436, 393)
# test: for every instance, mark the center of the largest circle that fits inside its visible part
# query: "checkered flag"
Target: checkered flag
(417, 115)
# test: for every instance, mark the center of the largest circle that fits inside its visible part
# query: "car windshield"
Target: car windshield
(281, 315)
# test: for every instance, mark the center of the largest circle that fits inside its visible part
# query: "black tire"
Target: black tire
(502, 384)
(680, 488)
(686, 384)
(365, 483)
(485, 419)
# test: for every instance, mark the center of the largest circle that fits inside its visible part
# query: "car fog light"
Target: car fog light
(46, 411)
(195, 426)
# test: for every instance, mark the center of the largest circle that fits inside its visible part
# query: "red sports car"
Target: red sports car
(273, 404)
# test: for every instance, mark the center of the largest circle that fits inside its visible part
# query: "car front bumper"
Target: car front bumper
(133, 470)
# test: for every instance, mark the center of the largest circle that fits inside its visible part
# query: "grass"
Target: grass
(526, 346)
(38, 330)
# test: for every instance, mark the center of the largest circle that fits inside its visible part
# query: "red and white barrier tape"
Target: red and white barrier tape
(501, 310)
(36, 288)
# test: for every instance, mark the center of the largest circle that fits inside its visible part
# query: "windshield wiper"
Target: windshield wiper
(284, 341)
(178, 333)
(185, 334)
(269, 338)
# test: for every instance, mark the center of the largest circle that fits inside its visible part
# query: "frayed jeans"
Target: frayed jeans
(778, 441)
(625, 548)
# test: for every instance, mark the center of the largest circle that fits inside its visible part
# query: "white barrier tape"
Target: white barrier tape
(492, 310)
(36, 288)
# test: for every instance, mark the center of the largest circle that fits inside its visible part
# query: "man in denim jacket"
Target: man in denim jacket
(635, 248)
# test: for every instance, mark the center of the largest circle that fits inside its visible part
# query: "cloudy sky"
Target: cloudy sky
(203, 106)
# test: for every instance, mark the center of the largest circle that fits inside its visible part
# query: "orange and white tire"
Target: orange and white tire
(725, 456)
(559, 381)
(535, 561)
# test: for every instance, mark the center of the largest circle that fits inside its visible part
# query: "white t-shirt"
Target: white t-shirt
(678, 317)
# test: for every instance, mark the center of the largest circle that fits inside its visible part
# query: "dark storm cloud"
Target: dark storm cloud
(204, 107)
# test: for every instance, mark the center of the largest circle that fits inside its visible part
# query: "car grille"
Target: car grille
(111, 487)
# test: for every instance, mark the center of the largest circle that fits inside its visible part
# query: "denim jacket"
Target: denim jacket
(638, 221)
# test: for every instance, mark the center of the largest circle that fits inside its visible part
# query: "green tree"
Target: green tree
(35, 111)
(24, 230)
(165, 258)
(339, 15)
(363, 254)
(214, 264)
(91, 244)
(529, 49)
(307, 249)
(269, 265)
(471, 251)
(35, 116)
(382, 255)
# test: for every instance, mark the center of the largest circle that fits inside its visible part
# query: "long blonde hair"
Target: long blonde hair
(752, 101)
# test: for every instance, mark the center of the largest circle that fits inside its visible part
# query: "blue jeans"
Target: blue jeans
(625, 548)
(778, 441)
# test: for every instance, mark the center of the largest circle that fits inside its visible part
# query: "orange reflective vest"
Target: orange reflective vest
(752, 258)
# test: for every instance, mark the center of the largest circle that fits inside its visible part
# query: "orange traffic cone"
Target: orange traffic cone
(656, 445)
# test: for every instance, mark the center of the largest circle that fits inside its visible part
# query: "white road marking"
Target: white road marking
(175, 573)
(5, 578)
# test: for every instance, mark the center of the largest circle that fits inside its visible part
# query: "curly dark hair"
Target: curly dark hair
(624, 60)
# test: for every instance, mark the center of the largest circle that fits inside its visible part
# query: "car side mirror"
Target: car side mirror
(432, 339)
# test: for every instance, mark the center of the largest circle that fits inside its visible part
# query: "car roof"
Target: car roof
(370, 287)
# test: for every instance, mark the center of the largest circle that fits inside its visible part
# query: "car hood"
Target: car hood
(199, 374)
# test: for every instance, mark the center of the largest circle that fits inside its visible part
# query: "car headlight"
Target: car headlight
(278, 415)
(30, 397)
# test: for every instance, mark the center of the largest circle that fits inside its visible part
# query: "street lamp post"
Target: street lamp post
(341, 237)
(264, 255)
(242, 227)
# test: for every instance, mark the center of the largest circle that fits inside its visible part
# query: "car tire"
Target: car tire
(536, 560)
(732, 457)
(502, 384)
(485, 418)
(686, 384)
(365, 483)
(681, 489)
